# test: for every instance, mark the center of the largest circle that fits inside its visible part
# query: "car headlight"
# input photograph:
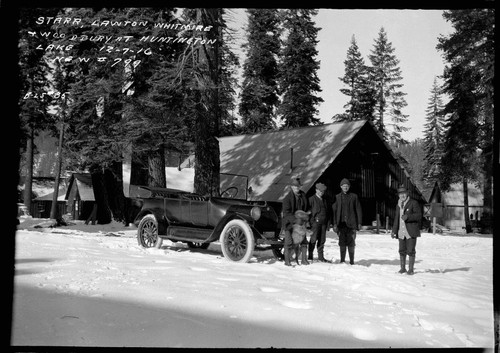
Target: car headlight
(255, 213)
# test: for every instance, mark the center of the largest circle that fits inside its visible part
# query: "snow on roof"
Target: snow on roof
(455, 196)
(180, 179)
(84, 185)
(49, 196)
(86, 191)
(266, 158)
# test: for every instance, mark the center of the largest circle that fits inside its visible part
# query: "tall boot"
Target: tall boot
(304, 255)
(310, 248)
(402, 261)
(351, 254)
(410, 264)
(286, 253)
(342, 253)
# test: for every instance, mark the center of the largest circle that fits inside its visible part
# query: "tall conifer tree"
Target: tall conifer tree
(299, 81)
(385, 75)
(358, 88)
(34, 86)
(433, 135)
(471, 49)
(259, 94)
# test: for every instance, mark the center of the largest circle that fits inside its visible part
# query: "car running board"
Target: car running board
(188, 234)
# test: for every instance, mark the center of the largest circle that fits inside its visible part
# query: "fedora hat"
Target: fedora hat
(321, 186)
(345, 181)
(402, 190)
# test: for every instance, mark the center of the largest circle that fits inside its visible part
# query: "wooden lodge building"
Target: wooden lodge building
(266, 162)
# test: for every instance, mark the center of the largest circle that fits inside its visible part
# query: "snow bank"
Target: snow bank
(99, 288)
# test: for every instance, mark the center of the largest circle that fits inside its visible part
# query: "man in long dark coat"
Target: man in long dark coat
(347, 218)
(406, 228)
(295, 200)
(320, 208)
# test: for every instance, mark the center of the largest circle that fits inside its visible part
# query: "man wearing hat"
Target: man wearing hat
(320, 218)
(347, 218)
(295, 200)
(406, 228)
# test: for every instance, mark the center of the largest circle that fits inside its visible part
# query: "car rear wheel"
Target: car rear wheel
(147, 232)
(193, 245)
(237, 241)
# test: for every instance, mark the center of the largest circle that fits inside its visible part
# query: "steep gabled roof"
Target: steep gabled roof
(271, 159)
(455, 196)
(83, 184)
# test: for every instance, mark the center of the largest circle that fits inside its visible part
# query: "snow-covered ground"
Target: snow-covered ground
(92, 285)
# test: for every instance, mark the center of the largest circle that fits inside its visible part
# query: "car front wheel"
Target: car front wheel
(147, 232)
(237, 241)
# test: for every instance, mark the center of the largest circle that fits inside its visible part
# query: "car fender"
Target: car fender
(158, 213)
(229, 217)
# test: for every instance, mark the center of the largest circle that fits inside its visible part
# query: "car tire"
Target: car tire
(193, 245)
(237, 241)
(147, 232)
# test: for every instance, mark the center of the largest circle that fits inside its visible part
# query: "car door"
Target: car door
(199, 211)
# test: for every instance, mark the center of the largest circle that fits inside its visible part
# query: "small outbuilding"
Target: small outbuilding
(42, 205)
(451, 203)
(80, 197)
(266, 162)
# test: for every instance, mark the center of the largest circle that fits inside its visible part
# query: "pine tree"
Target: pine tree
(460, 162)
(472, 46)
(116, 101)
(359, 90)
(411, 156)
(200, 70)
(433, 135)
(34, 98)
(259, 94)
(385, 75)
(298, 80)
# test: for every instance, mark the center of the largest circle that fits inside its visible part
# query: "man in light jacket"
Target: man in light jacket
(406, 228)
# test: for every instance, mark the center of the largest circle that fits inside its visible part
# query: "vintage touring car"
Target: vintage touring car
(240, 226)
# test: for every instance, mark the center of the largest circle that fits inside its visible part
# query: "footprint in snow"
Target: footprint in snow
(229, 279)
(270, 289)
(295, 305)
(314, 277)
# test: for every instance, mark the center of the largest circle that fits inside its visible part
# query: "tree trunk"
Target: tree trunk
(116, 199)
(53, 209)
(207, 153)
(468, 226)
(101, 197)
(487, 216)
(156, 166)
(28, 181)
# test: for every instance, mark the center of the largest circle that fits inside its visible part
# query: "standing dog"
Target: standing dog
(299, 232)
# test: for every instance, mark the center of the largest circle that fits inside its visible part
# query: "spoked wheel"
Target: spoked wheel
(147, 232)
(237, 241)
(193, 245)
